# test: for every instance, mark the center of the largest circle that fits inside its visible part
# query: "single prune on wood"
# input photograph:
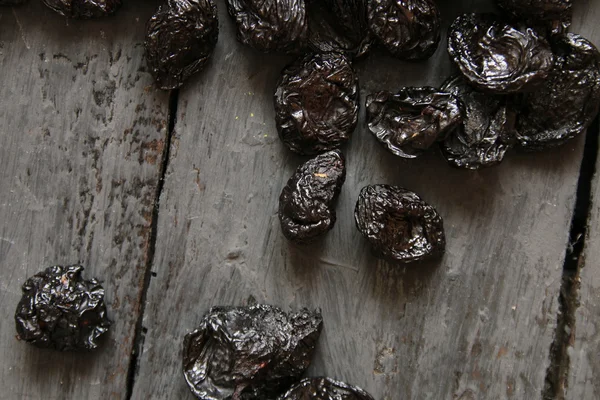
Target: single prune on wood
(324, 389)
(408, 29)
(61, 310)
(316, 103)
(253, 352)
(83, 9)
(399, 225)
(554, 14)
(409, 122)
(180, 38)
(487, 130)
(306, 203)
(496, 56)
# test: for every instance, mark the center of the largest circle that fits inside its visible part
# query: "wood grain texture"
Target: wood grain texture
(82, 132)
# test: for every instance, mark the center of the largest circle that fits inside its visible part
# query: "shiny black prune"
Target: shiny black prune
(180, 38)
(409, 122)
(316, 103)
(569, 99)
(498, 57)
(398, 224)
(270, 25)
(324, 389)
(83, 9)
(253, 352)
(408, 29)
(61, 310)
(554, 14)
(487, 130)
(306, 203)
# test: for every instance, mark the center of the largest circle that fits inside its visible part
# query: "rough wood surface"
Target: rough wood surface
(82, 132)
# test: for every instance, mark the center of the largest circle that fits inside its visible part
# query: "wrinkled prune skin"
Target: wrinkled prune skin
(270, 25)
(409, 122)
(83, 9)
(556, 15)
(497, 57)
(398, 224)
(306, 203)
(12, 2)
(408, 29)
(568, 101)
(316, 103)
(180, 38)
(253, 352)
(61, 310)
(487, 130)
(324, 389)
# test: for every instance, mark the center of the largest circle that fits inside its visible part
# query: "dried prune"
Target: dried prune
(408, 29)
(569, 99)
(409, 122)
(270, 25)
(324, 389)
(180, 38)
(306, 203)
(61, 310)
(555, 14)
(398, 224)
(316, 103)
(83, 9)
(251, 352)
(487, 130)
(496, 56)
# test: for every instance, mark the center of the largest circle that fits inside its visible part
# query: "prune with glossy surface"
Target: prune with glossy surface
(495, 56)
(83, 9)
(252, 352)
(270, 25)
(306, 203)
(408, 29)
(568, 101)
(487, 130)
(409, 122)
(180, 38)
(324, 389)
(61, 310)
(398, 224)
(554, 14)
(316, 103)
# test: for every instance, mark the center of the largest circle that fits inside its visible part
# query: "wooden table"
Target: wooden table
(171, 200)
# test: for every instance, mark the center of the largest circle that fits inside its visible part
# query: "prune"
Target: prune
(180, 38)
(270, 25)
(398, 224)
(487, 130)
(324, 389)
(408, 29)
(83, 9)
(409, 122)
(495, 56)
(306, 204)
(252, 352)
(555, 14)
(61, 310)
(316, 103)
(569, 99)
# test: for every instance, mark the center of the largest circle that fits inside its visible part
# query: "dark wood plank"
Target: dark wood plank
(82, 133)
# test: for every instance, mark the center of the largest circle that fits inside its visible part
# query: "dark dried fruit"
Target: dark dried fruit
(408, 29)
(270, 25)
(83, 9)
(316, 103)
(495, 56)
(409, 122)
(253, 352)
(180, 38)
(324, 389)
(487, 131)
(568, 101)
(306, 204)
(398, 224)
(61, 310)
(554, 14)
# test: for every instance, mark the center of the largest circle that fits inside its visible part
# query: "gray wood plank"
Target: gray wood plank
(477, 325)
(82, 132)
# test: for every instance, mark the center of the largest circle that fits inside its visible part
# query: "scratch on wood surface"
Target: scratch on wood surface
(21, 30)
(7, 240)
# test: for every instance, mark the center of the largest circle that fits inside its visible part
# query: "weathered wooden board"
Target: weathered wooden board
(82, 133)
